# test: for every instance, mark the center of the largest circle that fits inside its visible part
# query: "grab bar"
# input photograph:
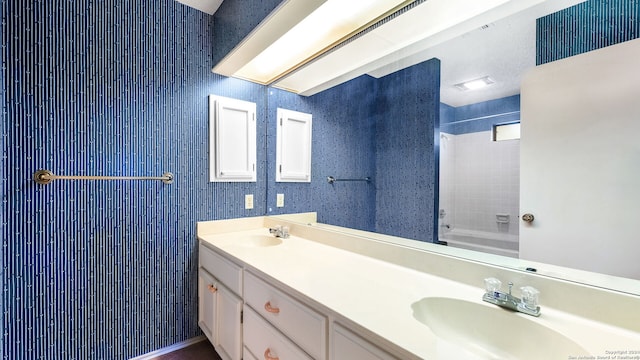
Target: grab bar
(46, 176)
(331, 179)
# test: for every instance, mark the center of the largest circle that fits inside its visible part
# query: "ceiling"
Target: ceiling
(207, 6)
(503, 50)
(499, 43)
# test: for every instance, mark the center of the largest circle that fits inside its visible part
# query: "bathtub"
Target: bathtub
(488, 242)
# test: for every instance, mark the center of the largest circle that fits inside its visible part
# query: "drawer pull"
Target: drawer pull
(271, 309)
(267, 355)
(212, 289)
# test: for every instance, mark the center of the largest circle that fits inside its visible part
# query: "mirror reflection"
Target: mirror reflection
(383, 126)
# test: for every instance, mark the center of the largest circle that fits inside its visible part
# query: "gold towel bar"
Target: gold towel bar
(46, 176)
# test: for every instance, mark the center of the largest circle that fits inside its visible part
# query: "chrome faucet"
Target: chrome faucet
(528, 304)
(280, 231)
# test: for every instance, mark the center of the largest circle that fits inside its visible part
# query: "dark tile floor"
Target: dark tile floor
(202, 350)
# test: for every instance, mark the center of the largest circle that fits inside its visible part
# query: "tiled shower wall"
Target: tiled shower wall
(107, 270)
(479, 178)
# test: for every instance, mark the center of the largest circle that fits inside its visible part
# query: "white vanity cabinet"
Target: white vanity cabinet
(220, 303)
(346, 345)
(290, 326)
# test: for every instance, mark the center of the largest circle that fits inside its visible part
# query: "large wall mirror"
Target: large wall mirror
(443, 177)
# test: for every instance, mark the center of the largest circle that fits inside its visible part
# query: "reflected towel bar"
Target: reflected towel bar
(331, 179)
(46, 176)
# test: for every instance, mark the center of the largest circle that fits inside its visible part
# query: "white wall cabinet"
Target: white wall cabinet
(232, 140)
(220, 309)
(293, 150)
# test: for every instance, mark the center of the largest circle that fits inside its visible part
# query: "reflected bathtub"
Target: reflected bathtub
(488, 242)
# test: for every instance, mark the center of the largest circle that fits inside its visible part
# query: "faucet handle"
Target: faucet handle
(492, 285)
(530, 297)
(276, 230)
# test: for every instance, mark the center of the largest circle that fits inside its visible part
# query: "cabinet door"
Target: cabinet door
(247, 355)
(229, 326)
(293, 151)
(345, 345)
(232, 139)
(207, 304)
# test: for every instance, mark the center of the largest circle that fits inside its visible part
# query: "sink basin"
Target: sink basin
(492, 333)
(253, 241)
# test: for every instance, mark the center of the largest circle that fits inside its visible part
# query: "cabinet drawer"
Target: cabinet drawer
(222, 269)
(300, 323)
(346, 345)
(263, 341)
(247, 355)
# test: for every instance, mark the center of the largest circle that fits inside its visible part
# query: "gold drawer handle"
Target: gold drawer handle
(212, 289)
(271, 309)
(267, 355)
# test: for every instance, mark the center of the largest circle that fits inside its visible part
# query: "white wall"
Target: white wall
(580, 156)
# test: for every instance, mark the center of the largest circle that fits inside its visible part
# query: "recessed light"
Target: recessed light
(475, 84)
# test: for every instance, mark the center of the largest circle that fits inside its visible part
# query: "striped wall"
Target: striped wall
(107, 270)
(234, 20)
(378, 128)
(343, 146)
(4, 213)
(480, 116)
(407, 114)
(587, 26)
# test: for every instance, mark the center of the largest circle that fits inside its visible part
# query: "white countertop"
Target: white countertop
(378, 295)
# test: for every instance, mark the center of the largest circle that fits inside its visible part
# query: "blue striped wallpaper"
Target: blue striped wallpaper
(342, 146)
(380, 128)
(234, 20)
(480, 116)
(587, 26)
(407, 114)
(3, 193)
(108, 270)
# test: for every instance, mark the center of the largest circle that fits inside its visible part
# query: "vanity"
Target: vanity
(331, 293)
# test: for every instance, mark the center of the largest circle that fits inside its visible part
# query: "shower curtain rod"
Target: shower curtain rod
(46, 176)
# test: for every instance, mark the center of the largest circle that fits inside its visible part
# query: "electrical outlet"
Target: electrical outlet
(280, 200)
(248, 201)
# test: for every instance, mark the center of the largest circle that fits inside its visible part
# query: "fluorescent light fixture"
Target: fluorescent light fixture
(329, 24)
(475, 84)
(209, 7)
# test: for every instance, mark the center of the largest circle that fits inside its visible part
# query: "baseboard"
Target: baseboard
(172, 348)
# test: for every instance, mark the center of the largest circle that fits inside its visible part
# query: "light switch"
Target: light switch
(248, 201)
(279, 200)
